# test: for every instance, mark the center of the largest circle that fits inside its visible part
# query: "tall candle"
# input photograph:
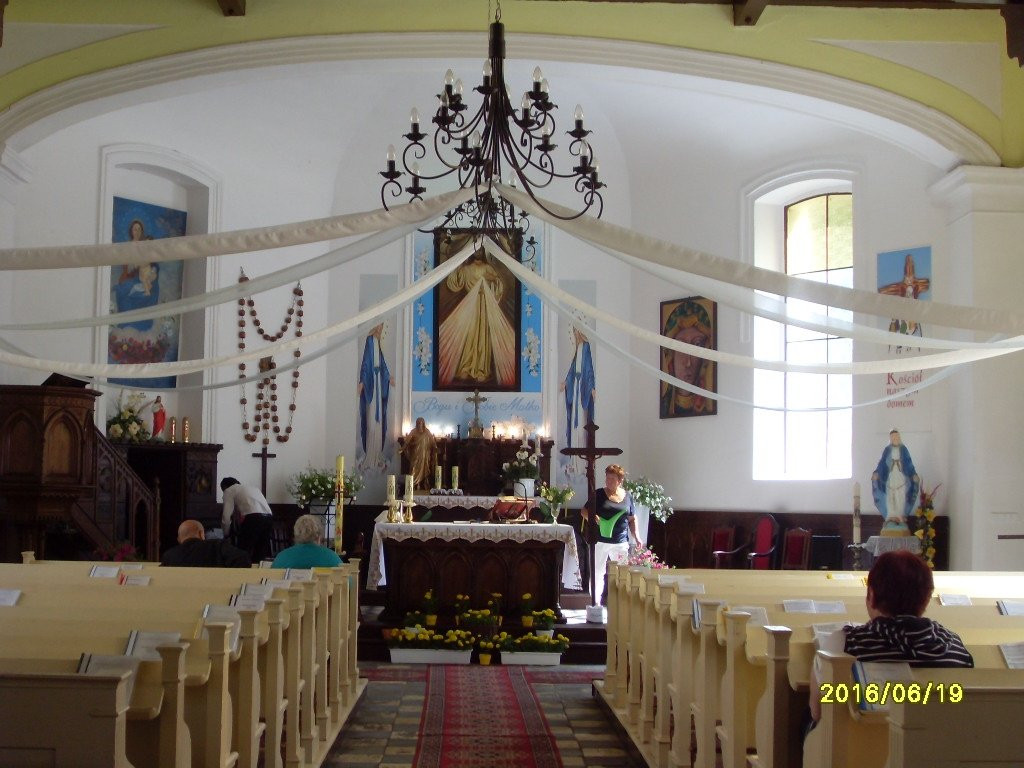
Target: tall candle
(408, 488)
(438, 476)
(391, 487)
(455, 478)
(856, 513)
(339, 465)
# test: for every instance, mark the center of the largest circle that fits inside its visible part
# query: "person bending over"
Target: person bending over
(254, 532)
(194, 549)
(307, 551)
(900, 587)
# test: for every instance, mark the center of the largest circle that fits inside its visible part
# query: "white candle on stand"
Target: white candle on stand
(391, 487)
(455, 478)
(856, 513)
(438, 476)
(408, 489)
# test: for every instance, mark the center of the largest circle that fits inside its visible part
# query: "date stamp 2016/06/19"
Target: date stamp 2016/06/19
(881, 694)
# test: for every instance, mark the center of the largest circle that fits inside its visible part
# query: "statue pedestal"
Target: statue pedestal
(894, 528)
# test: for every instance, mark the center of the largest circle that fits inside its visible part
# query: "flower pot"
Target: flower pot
(527, 621)
(429, 656)
(485, 659)
(432, 620)
(524, 487)
(544, 632)
(535, 658)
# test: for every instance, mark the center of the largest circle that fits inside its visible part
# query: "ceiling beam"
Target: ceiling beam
(745, 13)
(232, 7)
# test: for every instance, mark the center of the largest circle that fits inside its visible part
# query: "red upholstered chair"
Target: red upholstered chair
(763, 543)
(796, 549)
(723, 541)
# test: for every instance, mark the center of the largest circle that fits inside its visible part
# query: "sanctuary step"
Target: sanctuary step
(587, 642)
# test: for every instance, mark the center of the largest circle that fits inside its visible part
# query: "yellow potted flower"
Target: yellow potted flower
(486, 651)
(544, 622)
(532, 649)
(526, 609)
(430, 607)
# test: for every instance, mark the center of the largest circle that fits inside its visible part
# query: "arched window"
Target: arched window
(810, 237)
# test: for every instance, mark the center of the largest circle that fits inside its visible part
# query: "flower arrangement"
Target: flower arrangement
(429, 603)
(531, 643)
(318, 485)
(126, 425)
(452, 640)
(481, 618)
(651, 495)
(461, 604)
(524, 465)
(119, 553)
(415, 619)
(494, 604)
(925, 514)
(544, 619)
(644, 557)
(526, 604)
(554, 498)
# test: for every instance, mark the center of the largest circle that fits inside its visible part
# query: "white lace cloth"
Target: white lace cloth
(876, 545)
(490, 532)
(453, 502)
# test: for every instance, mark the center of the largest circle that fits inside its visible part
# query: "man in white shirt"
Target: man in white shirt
(256, 526)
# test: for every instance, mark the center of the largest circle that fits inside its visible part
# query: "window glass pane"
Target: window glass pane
(840, 392)
(770, 388)
(806, 390)
(840, 231)
(805, 236)
(808, 352)
(769, 342)
(840, 438)
(840, 350)
(805, 437)
(769, 460)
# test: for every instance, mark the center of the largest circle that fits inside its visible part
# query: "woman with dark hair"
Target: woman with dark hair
(900, 587)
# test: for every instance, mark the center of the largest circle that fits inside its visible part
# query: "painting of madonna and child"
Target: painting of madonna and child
(141, 286)
(477, 318)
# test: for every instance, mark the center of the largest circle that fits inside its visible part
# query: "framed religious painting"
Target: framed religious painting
(476, 317)
(693, 320)
(145, 286)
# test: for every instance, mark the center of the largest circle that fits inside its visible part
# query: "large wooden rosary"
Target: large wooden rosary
(266, 419)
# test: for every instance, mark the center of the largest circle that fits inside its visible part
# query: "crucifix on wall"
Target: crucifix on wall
(264, 457)
(590, 453)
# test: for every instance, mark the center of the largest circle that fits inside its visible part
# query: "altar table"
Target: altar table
(473, 559)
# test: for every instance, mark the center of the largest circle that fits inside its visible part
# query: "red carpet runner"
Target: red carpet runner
(483, 717)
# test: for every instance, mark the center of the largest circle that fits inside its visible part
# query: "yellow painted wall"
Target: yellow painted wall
(784, 35)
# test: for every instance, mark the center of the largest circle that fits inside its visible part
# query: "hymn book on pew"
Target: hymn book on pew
(1013, 654)
(758, 614)
(1011, 607)
(101, 665)
(105, 571)
(945, 599)
(875, 679)
(9, 596)
(814, 606)
(248, 601)
(224, 614)
(143, 645)
(299, 574)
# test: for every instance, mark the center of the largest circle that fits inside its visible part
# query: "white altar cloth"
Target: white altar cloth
(451, 502)
(571, 578)
(876, 545)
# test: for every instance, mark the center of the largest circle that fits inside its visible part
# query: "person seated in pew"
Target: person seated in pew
(256, 528)
(900, 587)
(308, 550)
(195, 550)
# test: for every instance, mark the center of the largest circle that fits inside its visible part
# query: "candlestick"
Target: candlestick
(174, 430)
(438, 476)
(391, 487)
(856, 514)
(186, 430)
(455, 478)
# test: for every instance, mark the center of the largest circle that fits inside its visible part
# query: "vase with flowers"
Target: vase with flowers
(526, 609)
(544, 622)
(522, 472)
(126, 424)
(554, 498)
(925, 530)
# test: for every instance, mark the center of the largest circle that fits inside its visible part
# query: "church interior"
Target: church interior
(765, 256)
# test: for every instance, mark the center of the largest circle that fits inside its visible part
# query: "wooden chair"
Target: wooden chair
(723, 541)
(796, 549)
(762, 545)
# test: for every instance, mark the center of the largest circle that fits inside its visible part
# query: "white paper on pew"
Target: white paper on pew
(299, 574)
(814, 606)
(250, 602)
(1014, 655)
(1011, 607)
(110, 666)
(260, 590)
(955, 600)
(134, 579)
(224, 614)
(880, 673)
(9, 596)
(131, 566)
(275, 583)
(143, 645)
(758, 614)
(105, 571)
(672, 578)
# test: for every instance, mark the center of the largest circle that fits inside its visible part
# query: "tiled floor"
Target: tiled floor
(382, 730)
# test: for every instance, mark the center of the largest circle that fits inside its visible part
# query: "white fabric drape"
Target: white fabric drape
(239, 241)
(757, 278)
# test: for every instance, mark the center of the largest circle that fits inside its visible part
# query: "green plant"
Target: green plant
(526, 604)
(651, 495)
(126, 425)
(318, 485)
(544, 619)
(524, 465)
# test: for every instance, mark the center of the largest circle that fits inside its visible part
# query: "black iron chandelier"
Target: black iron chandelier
(499, 142)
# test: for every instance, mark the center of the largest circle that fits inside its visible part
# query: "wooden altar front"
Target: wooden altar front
(479, 460)
(509, 559)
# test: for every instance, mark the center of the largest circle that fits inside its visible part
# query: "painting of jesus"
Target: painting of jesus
(477, 319)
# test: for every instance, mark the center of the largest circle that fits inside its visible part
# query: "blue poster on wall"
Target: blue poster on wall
(145, 285)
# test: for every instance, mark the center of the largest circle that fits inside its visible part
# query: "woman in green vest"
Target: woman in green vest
(617, 523)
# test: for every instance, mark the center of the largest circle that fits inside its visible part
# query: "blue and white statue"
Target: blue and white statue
(895, 485)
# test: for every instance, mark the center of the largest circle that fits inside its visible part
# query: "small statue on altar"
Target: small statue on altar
(159, 418)
(895, 485)
(420, 448)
